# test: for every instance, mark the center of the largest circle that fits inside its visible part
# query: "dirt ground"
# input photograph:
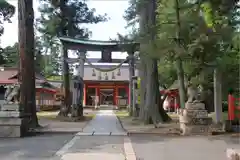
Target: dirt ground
(50, 122)
(134, 126)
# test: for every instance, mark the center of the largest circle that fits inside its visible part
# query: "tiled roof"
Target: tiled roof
(9, 76)
(6, 74)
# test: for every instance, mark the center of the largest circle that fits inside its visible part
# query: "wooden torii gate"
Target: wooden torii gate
(106, 47)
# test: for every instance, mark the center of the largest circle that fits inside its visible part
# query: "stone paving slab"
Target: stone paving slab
(90, 147)
(93, 156)
(102, 138)
(182, 148)
(119, 134)
(41, 147)
(104, 122)
(101, 133)
(85, 134)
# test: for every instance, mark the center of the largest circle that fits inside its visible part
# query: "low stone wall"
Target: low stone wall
(233, 154)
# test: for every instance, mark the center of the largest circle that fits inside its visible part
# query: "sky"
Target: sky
(101, 31)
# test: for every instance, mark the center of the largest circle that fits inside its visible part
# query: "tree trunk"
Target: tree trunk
(153, 108)
(143, 76)
(218, 95)
(143, 68)
(26, 52)
(67, 106)
(131, 74)
(179, 67)
(165, 117)
(181, 82)
(154, 112)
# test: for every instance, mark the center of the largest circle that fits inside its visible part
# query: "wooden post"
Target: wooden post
(65, 56)
(85, 95)
(116, 95)
(134, 98)
(127, 91)
(179, 67)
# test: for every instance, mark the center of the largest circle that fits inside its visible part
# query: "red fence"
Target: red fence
(233, 107)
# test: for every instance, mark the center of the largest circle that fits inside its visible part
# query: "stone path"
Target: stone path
(105, 123)
(102, 138)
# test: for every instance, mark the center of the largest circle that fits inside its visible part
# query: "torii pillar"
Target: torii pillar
(78, 87)
(131, 74)
(80, 73)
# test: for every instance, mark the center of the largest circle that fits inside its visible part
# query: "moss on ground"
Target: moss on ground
(53, 115)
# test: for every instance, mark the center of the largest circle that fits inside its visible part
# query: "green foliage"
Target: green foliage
(167, 73)
(224, 21)
(6, 12)
(205, 40)
(209, 38)
(55, 78)
(77, 13)
(10, 54)
(50, 26)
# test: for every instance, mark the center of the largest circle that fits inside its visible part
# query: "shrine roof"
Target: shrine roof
(9, 75)
(92, 42)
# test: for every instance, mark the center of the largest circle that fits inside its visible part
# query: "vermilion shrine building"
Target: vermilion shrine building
(110, 88)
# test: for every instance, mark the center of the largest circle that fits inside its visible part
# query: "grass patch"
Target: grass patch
(47, 114)
(224, 115)
(122, 113)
